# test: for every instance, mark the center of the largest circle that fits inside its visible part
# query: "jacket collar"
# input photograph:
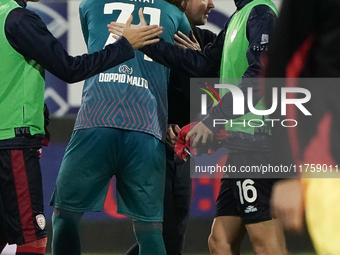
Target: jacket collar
(241, 3)
(22, 3)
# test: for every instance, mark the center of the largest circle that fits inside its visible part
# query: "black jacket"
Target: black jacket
(180, 109)
(202, 64)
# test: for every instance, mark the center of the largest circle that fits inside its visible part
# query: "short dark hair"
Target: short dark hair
(180, 4)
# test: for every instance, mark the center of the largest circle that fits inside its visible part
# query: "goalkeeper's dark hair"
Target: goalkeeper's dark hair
(180, 4)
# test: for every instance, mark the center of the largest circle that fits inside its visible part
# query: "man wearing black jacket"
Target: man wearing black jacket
(177, 195)
(250, 28)
(27, 49)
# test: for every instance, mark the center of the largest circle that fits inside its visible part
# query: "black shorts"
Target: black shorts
(21, 196)
(247, 198)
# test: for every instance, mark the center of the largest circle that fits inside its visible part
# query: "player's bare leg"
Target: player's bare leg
(267, 238)
(226, 235)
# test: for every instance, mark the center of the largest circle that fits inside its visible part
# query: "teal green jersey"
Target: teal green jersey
(133, 95)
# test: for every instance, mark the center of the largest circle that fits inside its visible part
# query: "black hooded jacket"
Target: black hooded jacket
(206, 63)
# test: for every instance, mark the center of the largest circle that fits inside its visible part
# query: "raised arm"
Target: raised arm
(186, 61)
(29, 36)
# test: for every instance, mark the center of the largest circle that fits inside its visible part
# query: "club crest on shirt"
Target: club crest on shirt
(233, 35)
(125, 69)
(264, 39)
(41, 221)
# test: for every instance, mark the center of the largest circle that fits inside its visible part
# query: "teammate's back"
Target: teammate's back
(115, 104)
(95, 13)
(133, 95)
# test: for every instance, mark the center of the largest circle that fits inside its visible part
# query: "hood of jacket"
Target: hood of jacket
(241, 3)
(22, 3)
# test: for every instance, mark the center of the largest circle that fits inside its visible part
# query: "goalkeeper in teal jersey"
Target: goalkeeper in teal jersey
(119, 130)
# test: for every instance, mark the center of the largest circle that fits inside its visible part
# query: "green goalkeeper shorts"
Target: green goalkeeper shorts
(91, 159)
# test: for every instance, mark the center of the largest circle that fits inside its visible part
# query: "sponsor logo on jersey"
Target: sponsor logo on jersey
(250, 209)
(124, 78)
(125, 69)
(41, 221)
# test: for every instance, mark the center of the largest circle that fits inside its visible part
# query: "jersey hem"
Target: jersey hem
(130, 129)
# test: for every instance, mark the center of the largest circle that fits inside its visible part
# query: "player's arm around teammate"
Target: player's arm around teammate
(266, 234)
(177, 197)
(27, 49)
